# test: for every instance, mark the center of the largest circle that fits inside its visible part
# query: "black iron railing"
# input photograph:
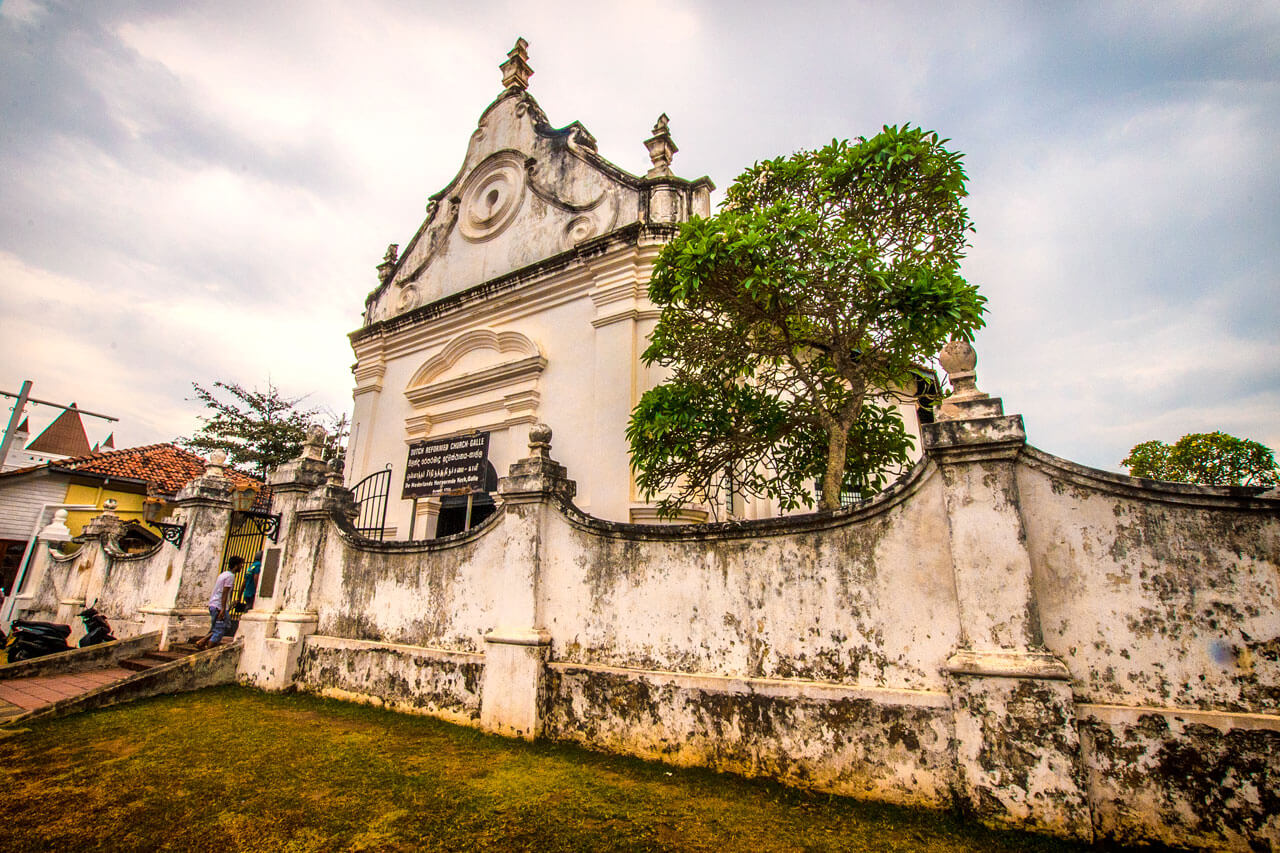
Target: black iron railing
(371, 496)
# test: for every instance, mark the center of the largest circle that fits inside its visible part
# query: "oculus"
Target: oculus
(492, 196)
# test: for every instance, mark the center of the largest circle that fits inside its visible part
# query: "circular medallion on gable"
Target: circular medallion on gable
(408, 298)
(492, 196)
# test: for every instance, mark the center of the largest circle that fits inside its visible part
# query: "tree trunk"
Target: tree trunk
(833, 478)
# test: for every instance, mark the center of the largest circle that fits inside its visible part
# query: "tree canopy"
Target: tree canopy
(1208, 458)
(793, 316)
(258, 430)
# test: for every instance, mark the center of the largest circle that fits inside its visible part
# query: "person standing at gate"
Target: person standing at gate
(250, 585)
(219, 601)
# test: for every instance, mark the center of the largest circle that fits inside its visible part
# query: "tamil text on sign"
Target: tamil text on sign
(446, 465)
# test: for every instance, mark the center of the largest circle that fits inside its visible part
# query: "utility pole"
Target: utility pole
(14, 419)
(23, 397)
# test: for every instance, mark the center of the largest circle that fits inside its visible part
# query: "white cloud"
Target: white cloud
(201, 191)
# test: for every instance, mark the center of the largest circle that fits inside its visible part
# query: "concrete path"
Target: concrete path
(19, 695)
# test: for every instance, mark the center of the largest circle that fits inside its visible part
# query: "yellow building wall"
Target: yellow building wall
(129, 506)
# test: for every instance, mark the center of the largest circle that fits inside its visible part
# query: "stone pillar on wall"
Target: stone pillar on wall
(90, 573)
(1018, 749)
(517, 649)
(179, 606)
(274, 631)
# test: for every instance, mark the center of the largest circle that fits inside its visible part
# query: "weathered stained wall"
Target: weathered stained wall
(1163, 596)
(818, 600)
(890, 745)
(1162, 601)
(443, 594)
(832, 651)
(406, 678)
(1102, 666)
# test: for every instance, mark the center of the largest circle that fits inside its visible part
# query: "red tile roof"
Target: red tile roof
(165, 467)
(64, 437)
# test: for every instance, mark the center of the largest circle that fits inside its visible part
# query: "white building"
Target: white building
(522, 299)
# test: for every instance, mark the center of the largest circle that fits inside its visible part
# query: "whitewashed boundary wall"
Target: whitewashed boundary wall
(163, 589)
(1044, 645)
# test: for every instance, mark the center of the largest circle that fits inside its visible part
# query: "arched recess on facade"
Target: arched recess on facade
(482, 379)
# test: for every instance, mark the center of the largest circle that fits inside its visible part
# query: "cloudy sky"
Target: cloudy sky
(201, 190)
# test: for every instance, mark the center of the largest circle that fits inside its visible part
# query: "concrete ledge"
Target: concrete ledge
(517, 637)
(780, 688)
(78, 660)
(326, 641)
(204, 669)
(1130, 715)
(1003, 664)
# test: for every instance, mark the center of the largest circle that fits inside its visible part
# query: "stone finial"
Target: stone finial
(56, 530)
(661, 149)
(540, 441)
(216, 465)
(516, 71)
(334, 477)
(109, 506)
(389, 261)
(313, 447)
(958, 359)
(537, 475)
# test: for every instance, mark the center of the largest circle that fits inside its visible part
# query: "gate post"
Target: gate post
(1017, 744)
(518, 647)
(178, 608)
(274, 631)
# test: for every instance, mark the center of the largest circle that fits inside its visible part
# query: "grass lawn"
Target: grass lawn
(236, 769)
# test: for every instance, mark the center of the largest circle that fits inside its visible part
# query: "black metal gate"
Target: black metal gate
(371, 496)
(244, 540)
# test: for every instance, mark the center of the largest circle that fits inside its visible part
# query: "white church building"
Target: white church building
(522, 299)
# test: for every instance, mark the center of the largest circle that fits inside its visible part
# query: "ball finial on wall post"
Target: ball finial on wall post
(958, 359)
(540, 441)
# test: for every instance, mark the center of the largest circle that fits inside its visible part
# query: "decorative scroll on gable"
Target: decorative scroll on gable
(480, 380)
(526, 192)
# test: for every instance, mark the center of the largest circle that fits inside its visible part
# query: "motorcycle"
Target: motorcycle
(96, 628)
(29, 639)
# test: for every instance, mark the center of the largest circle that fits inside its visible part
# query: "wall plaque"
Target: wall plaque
(446, 465)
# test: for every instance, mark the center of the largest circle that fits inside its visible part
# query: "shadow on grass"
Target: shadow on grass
(235, 769)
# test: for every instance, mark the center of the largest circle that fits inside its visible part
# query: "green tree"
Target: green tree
(792, 317)
(258, 430)
(1208, 458)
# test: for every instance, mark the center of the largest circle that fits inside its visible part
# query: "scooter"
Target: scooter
(96, 629)
(29, 639)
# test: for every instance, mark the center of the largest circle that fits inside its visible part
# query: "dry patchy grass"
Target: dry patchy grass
(235, 769)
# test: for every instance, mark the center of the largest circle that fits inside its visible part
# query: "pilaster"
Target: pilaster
(275, 630)
(518, 647)
(1017, 745)
(178, 609)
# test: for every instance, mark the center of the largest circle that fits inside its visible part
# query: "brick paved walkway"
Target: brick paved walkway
(19, 695)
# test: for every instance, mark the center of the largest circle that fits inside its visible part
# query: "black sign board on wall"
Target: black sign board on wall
(446, 465)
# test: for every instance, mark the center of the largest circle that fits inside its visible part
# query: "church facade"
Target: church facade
(522, 299)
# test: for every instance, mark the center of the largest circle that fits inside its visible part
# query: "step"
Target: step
(138, 664)
(165, 657)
